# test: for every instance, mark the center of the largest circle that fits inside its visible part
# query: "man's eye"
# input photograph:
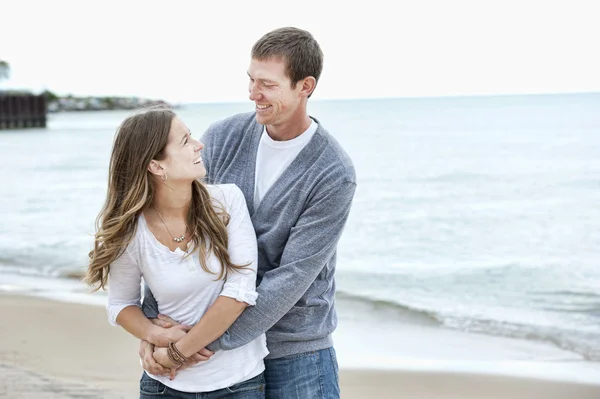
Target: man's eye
(185, 142)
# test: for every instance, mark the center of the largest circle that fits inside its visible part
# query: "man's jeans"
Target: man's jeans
(310, 375)
(254, 388)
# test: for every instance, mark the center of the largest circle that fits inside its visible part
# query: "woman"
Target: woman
(195, 247)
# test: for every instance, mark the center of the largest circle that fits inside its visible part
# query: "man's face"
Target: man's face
(271, 90)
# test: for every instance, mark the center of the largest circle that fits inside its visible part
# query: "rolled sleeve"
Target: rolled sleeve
(241, 284)
(124, 286)
(243, 291)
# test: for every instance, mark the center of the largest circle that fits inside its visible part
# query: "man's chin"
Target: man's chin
(261, 119)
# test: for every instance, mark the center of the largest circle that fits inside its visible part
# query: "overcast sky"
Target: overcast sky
(198, 51)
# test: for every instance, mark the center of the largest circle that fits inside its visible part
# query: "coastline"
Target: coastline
(69, 350)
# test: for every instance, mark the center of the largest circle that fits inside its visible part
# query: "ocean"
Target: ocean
(476, 214)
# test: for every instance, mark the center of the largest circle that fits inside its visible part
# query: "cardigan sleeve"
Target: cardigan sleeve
(311, 244)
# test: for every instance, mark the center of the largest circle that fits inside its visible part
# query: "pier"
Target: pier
(22, 111)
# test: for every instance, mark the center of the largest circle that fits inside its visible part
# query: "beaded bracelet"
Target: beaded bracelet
(170, 356)
(175, 355)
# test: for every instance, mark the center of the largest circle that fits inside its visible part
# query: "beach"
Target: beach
(68, 350)
(468, 267)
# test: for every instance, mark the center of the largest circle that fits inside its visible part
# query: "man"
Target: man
(298, 184)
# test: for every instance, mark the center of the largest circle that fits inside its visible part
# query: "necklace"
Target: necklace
(177, 239)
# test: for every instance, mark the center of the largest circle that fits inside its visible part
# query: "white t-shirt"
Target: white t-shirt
(184, 291)
(273, 157)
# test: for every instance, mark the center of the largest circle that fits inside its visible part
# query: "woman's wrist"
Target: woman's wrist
(153, 334)
(175, 355)
(182, 348)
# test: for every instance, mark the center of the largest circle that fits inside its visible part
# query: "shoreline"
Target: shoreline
(69, 349)
(359, 321)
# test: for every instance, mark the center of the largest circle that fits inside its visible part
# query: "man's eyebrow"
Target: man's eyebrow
(262, 80)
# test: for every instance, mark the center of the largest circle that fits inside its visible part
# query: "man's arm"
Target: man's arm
(149, 304)
(311, 244)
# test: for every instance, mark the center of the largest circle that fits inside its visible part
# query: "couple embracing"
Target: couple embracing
(234, 236)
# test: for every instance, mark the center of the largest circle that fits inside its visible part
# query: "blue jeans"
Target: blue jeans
(310, 375)
(254, 388)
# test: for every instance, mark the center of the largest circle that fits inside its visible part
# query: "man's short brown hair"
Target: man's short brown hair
(296, 47)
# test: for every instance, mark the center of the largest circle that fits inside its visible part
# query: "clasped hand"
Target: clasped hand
(155, 359)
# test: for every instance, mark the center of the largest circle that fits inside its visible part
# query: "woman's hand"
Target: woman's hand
(153, 366)
(161, 357)
(167, 330)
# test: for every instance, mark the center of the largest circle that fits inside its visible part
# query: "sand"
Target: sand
(52, 349)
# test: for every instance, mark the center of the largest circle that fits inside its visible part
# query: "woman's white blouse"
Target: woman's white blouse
(184, 291)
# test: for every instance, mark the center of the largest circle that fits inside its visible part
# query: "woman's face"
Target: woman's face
(182, 160)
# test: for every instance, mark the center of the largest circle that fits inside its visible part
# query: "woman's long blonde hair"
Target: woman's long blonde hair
(140, 139)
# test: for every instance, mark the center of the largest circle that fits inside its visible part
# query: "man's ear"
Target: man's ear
(308, 86)
(155, 168)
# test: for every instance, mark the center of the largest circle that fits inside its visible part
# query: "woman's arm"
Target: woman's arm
(217, 319)
(311, 244)
(123, 307)
(239, 290)
(133, 320)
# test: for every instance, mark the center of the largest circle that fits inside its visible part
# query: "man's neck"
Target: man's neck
(289, 130)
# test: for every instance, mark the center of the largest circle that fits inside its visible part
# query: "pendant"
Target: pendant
(179, 239)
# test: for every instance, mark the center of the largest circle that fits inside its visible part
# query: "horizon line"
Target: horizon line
(416, 97)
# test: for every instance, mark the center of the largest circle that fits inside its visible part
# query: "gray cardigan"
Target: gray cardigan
(298, 225)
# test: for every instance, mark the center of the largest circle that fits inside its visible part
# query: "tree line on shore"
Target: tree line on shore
(69, 102)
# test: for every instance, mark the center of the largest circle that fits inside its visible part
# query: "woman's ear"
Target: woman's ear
(155, 168)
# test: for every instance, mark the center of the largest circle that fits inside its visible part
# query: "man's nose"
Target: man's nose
(254, 94)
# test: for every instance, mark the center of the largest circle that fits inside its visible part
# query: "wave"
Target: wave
(455, 177)
(62, 273)
(582, 294)
(581, 342)
(402, 311)
(381, 308)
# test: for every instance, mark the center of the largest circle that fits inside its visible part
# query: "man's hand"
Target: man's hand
(165, 321)
(148, 363)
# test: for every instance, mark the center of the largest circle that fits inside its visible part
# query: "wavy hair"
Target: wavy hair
(140, 139)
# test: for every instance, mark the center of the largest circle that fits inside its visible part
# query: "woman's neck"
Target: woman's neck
(172, 201)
